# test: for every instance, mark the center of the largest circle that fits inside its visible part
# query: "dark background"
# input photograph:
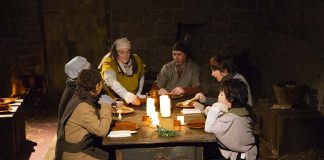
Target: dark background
(278, 40)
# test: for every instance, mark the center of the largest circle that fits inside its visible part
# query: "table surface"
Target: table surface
(149, 136)
(13, 135)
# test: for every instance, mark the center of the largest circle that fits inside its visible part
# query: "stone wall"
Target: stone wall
(56, 31)
(210, 27)
(21, 43)
(73, 28)
(293, 47)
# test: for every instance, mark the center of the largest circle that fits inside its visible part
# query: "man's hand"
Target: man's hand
(177, 91)
(163, 91)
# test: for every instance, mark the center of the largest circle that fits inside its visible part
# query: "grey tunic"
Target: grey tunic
(235, 134)
(168, 77)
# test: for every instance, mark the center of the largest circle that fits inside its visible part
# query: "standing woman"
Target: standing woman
(84, 121)
(123, 72)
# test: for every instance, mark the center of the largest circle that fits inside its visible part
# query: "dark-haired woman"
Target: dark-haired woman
(84, 121)
(222, 68)
(123, 72)
(230, 120)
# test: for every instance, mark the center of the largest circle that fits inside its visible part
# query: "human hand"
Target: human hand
(199, 106)
(162, 91)
(207, 110)
(200, 97)
(141, 96)
(222, 107)
(104, 99)
(131, 98)
(177, 91)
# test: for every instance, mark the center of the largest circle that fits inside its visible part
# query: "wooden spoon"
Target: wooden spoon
(186, 102)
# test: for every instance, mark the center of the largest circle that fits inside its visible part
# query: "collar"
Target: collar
(87, 97)
(126, 68)
(239, 111)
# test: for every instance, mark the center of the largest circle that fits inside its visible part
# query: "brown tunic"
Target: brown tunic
(84, 121)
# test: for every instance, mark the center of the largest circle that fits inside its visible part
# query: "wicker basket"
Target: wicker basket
(289, 94)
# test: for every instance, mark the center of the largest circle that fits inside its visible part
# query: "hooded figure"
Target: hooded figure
(72, 69)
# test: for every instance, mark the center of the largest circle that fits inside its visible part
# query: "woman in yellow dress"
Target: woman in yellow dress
(123, 72)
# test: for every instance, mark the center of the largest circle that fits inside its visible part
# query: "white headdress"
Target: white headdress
(75, 65)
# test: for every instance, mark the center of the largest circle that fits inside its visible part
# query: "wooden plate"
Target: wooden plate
(126, 126)
(180, 105)
(196, 125)
(125, 109)
(176, 96)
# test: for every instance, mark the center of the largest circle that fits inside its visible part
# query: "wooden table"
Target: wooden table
(148, 144)
(12, 133)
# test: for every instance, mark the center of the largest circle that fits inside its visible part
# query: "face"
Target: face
(179, 58)
(222, 99)
(98, 88)
(216, 73)
(123, 55)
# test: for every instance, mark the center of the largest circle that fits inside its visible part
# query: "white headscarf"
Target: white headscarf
(123, 43)
(75, 65)
(120, 43)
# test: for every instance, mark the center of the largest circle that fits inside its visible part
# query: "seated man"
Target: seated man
(180, 76)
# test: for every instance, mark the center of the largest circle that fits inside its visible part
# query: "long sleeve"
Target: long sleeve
(141, 85)
(211, 118)
(162, 77)
(110, 79)
(84, 121)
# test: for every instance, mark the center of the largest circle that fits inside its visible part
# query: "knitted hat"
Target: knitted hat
(75, 65)
(181, 46)
(123, 43)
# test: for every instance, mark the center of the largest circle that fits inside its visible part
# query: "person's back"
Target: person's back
(81, 128)
(72, 69)
(230, 120)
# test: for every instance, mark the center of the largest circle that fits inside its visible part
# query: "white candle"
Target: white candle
(181, 119)
(165, 106)
(150, 108)
(155, 119)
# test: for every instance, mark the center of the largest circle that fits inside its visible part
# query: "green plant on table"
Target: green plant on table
(166, 132)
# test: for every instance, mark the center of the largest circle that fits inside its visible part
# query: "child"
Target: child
(229, 119)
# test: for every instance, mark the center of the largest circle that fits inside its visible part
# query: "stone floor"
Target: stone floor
(41, 125)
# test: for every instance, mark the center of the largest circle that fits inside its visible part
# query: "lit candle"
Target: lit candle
(150, 108)
(155, 119)
(181, 119)
(165, 106)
